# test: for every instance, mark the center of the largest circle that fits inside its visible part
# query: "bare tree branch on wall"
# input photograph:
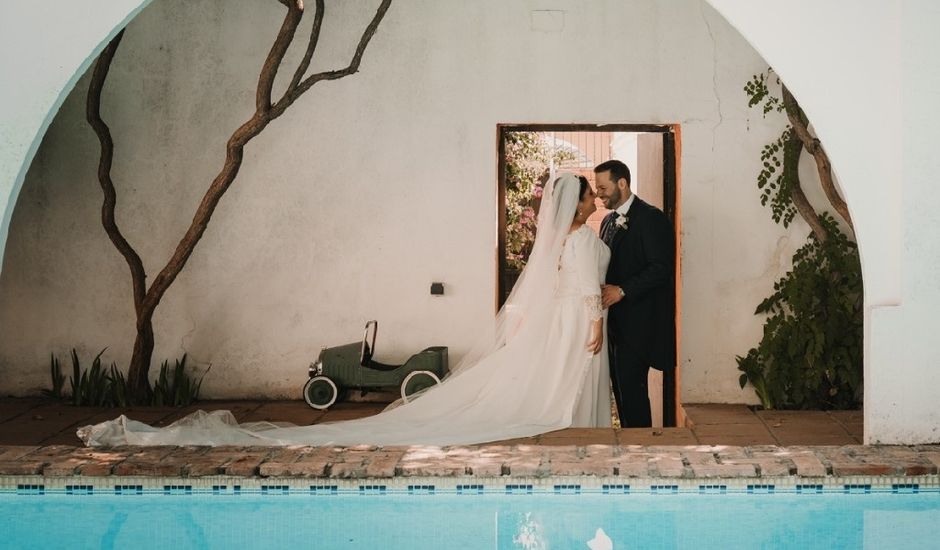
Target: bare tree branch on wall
(813, 146)
(792, 151)
(146, 299)
(779, 180)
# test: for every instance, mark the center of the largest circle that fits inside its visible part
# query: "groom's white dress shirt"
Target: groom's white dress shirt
(625, 207)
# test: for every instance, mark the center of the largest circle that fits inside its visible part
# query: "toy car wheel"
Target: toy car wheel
(416, 381)
(320, 392)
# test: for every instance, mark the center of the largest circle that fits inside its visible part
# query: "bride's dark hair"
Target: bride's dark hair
(584, 187)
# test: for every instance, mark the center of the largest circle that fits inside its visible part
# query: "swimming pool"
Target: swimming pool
(180, 519)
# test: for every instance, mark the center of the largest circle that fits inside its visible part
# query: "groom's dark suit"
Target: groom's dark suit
(641, 327)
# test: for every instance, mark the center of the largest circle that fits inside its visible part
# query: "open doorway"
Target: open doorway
(528, 153)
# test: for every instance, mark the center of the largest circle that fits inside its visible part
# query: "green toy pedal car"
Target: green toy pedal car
(352, 367)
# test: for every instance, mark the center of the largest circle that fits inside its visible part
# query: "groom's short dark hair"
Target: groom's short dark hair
(616, 168)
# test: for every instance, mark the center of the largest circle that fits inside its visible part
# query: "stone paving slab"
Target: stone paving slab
(737, 440)
(285, 411)
(852, 421)
(13, 408)
(43, 421)
(656, 436)
(357, 410)
(740, 425)
(710, 413)
(241, 409)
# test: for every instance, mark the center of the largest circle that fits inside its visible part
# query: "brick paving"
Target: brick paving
(37, 438)
(691, 462)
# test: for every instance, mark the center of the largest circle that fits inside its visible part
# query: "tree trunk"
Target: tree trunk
(138, 384)
(800, 125)
(793, 150)
(147, 299)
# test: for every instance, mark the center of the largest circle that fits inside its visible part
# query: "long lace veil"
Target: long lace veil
(522, 319)
(518, 333)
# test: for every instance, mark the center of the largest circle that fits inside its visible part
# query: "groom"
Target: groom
(639, 292)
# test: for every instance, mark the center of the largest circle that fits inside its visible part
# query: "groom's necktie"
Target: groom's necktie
(607, 228)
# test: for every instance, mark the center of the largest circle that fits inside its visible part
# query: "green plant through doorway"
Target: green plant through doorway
(528, 159)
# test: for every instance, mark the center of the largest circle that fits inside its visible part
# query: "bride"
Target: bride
(537, 367)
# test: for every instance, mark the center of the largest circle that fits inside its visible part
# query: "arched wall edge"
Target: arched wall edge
(35, 96)
(806, 65)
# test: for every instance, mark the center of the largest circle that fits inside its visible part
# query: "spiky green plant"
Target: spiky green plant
(58, 379)
(90, 387)
(107, 387)
(176, 387)
(118, 387)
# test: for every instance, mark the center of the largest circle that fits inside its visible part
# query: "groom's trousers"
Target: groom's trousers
(629, 377)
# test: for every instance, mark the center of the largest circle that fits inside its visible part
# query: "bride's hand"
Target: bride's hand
(597, 337)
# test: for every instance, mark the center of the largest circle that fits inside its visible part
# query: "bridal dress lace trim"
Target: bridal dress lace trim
(595, 307)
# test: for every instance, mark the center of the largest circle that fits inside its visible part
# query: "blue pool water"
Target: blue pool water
(449, 521)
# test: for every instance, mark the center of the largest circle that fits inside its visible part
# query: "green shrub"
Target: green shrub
(810, 356)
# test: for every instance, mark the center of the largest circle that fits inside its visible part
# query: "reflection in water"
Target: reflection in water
(825, 521)
(600, 541)
(529, 534)
(114, 528)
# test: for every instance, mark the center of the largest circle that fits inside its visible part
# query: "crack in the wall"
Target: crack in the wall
(189, 333)
(711, 34)
(776, 266)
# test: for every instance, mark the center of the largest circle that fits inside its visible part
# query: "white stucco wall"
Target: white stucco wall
(374, 186)
(42, 54)
(859, 66)
(309, 242)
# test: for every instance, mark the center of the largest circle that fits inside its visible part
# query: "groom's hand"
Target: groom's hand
(610, 295)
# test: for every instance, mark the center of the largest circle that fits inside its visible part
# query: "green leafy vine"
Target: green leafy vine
(810, 355)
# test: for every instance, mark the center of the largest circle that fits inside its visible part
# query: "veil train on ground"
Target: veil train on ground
(528, 373)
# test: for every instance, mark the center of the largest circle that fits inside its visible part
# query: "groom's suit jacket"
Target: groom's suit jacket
(642, 263)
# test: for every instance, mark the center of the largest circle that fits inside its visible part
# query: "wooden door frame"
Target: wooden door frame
(672, 146)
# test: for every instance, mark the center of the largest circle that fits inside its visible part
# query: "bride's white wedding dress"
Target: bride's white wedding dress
(531, 374)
